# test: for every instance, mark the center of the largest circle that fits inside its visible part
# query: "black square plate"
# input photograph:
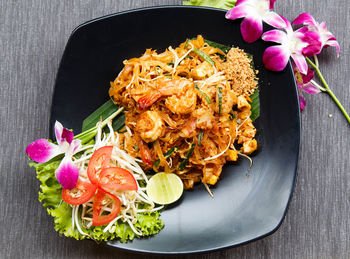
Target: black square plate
(244, 208)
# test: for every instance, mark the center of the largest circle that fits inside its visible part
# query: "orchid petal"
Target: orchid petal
(62, 134)
(67, 173)
(58, 132)
(251, 28)
(237, 12)
(42, 150)
(310, 89)
(305, 18)
(300, 62)
(275, 58)
(323, 26)
(334, 43)
(272, 2)
(303, 29)
(309, 76)
(274, 20)
(288, 26)
(76, 144)
(314, 47)
(240, 2)
(277, 36)
(302, 102)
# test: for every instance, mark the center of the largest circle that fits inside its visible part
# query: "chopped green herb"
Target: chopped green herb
(222, 47)
(187, 42)
(171, 151)
(203, 94)
(136, 147)
(232, 116)
(156, 163)
(166, 155)
(220, 99)
(200, 137)
(204, 56)
(188, 155)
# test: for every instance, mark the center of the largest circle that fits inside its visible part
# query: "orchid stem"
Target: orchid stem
(316, 61)
(328, 90)
(318, 86)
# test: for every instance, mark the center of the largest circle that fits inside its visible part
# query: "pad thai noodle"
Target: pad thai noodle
(187, 109)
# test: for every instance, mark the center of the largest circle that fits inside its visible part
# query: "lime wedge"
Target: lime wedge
(164, 188)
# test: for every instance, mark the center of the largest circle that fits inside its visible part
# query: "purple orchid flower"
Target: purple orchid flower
(254, 13)
(325, 37)
(42, 151)
(294, 44)
(304, 84)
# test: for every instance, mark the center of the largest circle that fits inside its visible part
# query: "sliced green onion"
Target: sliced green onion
(220, 99)
(171, 151)
(204, 56)
(188, 155)
(222, 47)
(166, 155)
(203, 94)
(200, 137)
(232, 116)
(156, 163)
(186, 44)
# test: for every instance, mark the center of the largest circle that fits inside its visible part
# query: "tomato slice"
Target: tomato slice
(81, 193)
(117, 179)
(145, 153)
(98, 161)
(100, 198)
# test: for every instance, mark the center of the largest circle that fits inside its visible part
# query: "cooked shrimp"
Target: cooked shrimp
(150, 125)
(165, 88)
(184, 104)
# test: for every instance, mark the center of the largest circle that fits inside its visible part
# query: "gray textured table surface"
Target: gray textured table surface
(33, 34)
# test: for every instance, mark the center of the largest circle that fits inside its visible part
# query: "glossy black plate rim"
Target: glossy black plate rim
(142, 251)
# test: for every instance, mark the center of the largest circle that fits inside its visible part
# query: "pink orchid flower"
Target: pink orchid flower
(42, 151)
(293, 44)
(255, 12)
(325, 37)
(304, 84)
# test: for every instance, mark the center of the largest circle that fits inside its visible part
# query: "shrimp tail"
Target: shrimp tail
(149, 99)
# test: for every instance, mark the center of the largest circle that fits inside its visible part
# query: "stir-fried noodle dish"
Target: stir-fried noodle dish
(187, 109)
(187, 112)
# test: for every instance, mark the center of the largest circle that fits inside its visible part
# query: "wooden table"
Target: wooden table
(33, 37)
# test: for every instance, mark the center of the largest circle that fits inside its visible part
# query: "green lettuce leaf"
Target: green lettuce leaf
(149, 223)
(223, 4)
(50, 195)
(62, 215)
